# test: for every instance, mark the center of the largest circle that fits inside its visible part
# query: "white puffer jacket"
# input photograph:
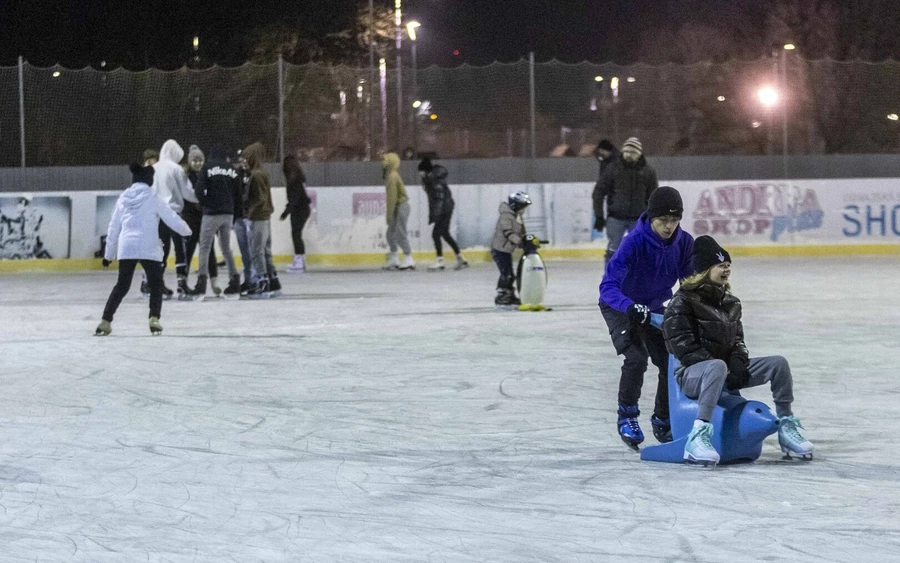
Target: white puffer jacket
(170, 179)
(134, 228)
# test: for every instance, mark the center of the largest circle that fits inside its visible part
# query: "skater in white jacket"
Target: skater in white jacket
(133, 237)
(173, 186)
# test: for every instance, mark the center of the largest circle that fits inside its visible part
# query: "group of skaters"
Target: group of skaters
(172, 199)
(702, 323)
(185, 202)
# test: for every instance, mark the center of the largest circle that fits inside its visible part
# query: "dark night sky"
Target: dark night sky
(77, 33)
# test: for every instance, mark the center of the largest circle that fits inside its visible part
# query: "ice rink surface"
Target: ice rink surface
(370, 416)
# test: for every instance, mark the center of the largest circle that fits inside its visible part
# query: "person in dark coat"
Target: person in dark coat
(440, 211)
(625, 184)
(606, 154)
(298, 207)
(638, 280)
(703, 330)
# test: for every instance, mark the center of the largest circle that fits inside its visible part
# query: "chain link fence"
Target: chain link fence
(325, 112)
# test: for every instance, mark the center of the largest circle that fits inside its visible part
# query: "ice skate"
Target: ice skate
(699, 448)
(199, 291)
(214, 285)
(166, 292)
(629, 429)
(145, 289)
(408, 263)
(155, 327)
(183, 291)
(274, 287)
(790, 439)
(438, 265)
(393, 263)
(506, 300)
(298, 266)
(260, 290)
(460, 262)
(662, 429)
(233, 291)
(103, 329)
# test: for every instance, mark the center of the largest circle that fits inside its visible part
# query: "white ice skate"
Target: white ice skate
(393, 263)
(298, 266)
(699, 448)
(438, 265)
(790, 439)
(408, 263)
(461, 262)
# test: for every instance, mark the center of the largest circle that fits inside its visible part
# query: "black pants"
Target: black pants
(637, 343)
(504, 263)
(299, 217)
(442, 230)
(170, 238)
(154, 271)
(193, 216)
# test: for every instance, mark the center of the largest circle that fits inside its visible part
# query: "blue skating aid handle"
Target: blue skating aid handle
(656, 320)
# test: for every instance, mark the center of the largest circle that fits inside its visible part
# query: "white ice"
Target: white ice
(370, 416)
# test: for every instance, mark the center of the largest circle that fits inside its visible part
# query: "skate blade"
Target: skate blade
(155, 332)
(234, 297)
(275, 294)
(101, 333)
(630, 444)
(691, 460)
(801, 457)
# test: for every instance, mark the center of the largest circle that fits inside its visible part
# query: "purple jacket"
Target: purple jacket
(645, 268)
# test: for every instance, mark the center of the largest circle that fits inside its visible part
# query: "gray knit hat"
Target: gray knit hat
(634, 143)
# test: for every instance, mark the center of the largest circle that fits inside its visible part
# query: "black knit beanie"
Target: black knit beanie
(426, 165)
(606, 145)
(665, 200)
(143, 174)
(708, 253)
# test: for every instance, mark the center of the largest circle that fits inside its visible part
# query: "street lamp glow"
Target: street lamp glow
(756, 124)
(411, 29)
(56, 74)
(417, 104)
(893, 116)
(629, 79)
(196, 42)
(768, 96)
(721, 98)
(598, 79)
(789, 47)
(614, 83)
(433, 116)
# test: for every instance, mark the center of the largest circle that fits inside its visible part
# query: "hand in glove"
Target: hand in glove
(738, 374)
(285, 215)
(599, 223)
(106, 264)
(638, 314)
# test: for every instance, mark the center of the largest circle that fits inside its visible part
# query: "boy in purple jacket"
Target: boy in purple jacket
(638, 280)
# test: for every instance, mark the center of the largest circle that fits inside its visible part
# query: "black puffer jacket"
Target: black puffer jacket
(440, 200)
(704, 324)
(626, 187)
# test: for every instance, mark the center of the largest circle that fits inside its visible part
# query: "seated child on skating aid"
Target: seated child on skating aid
(508, 236)
(702, 328)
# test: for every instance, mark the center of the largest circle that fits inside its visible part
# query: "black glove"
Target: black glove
(285, 214)
(430, 220)
(638, 314)
(106, 264)
(599, 223)
(738, 374)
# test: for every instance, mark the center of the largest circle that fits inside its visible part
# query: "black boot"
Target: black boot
(260, 290)
(184, 292)
(233, 291)
(199, 292)
(275, 286)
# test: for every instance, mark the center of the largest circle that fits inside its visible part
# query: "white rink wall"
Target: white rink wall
(764, 217)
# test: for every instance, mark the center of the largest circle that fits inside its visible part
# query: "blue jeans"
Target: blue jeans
(615, 231)
(242, 231)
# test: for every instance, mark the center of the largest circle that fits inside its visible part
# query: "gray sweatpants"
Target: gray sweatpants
(261, 248)
(211, 226)
(396, 231)
(704, 381)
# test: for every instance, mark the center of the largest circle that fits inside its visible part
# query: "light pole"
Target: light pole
(784, 117)
(398, 17)
(768, 97)
(411, 31)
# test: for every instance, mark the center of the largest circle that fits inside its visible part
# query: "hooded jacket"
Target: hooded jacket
(510, 230)
(259, 196)
(645, 267)
(626, 187)
(133, 232)
(705, 324)
(597, 195)
(297, 198)
(395, 189)
(170, 180)
(440, 199)
(218, 186)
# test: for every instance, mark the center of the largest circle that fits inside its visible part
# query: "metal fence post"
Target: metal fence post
(531, 99)
(22, 110)
(280, 108)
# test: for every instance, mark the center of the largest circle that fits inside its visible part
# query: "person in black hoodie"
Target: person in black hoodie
(217, 189)
(626, 185)
(298, 207)
(440, 211)
(606, 154)
(703, 330)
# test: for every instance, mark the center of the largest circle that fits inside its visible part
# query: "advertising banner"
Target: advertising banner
(34, 227)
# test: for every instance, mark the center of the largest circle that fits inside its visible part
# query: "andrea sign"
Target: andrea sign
(757, 209)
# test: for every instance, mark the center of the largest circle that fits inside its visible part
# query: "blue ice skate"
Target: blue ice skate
(629, 429)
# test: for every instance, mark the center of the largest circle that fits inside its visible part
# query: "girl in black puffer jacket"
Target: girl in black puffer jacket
(703, 330)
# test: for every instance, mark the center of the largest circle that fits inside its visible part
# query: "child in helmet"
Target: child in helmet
(508, 236)
(703, 329)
